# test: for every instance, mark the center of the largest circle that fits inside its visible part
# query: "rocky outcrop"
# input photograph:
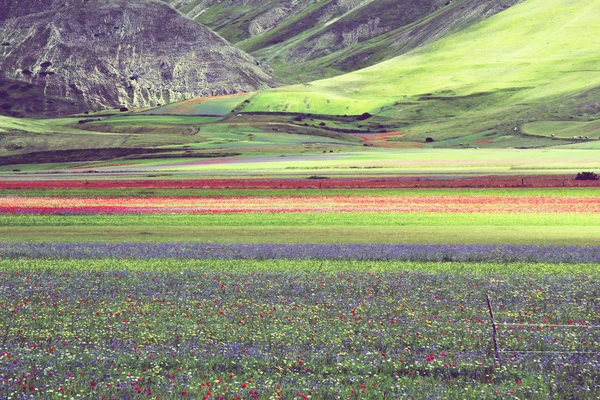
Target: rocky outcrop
(238, 20)
(131, 53)
(335, 36)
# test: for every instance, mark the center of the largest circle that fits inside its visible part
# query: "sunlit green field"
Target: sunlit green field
(382, 162)
(341, 228)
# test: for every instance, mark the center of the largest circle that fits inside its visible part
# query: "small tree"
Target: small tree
(587, 176)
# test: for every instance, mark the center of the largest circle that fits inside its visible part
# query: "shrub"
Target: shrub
(587, 176)
(429, 140)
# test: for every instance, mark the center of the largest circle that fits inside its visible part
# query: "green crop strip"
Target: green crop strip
(303, 219)
(294, 266)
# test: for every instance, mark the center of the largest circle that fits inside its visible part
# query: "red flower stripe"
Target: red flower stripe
(275, 204)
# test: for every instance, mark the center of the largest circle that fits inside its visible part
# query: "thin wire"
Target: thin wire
(549, 351)
(549, 325)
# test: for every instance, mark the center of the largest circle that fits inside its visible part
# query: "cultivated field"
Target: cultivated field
(336, 239)
(175, 289)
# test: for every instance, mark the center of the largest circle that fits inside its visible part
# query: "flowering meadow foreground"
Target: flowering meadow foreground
(264, 329)
(109, 293)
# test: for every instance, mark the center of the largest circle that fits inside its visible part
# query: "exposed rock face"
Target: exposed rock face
(335, 35)
(238, 20)
(132, 53)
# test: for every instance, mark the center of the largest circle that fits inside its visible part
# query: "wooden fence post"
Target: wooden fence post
(494, 329)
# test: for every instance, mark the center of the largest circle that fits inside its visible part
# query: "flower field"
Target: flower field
(206, 333)
(275, 204)
(228, 251)
(281, 293)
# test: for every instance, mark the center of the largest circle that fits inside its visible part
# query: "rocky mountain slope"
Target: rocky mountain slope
(303, 38)
(120, 53)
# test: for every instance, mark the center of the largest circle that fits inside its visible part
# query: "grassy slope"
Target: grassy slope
(218, 105)
(182, 134)
(564, 129)
(534, 53)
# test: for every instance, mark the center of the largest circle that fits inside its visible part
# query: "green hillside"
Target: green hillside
(540, 48)
(525, 64)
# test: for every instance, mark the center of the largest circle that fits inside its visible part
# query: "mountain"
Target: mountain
(302, 39)
(120, 53)
(537, 60)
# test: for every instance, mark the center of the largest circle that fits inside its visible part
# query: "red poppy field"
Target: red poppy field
(480, 204)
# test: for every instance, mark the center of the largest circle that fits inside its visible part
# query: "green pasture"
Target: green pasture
(584, 145)
(239, 135)
(388, 162)
(340, 228)
(179, 133)
(20, 124)
(521, 235)
(564, 129)
(221, 105)
(144, 124)
(290, 266)
(300, 219)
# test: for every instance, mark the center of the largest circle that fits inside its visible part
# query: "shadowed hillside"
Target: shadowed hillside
(120, 53)
(304, 39)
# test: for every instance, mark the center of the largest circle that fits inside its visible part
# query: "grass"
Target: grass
(572, 235)
(423, 228)
(191, 136)
(557, 58)
(532, 62)
(563, 129)
(299, 219)
(388, 162)
(219, 105)
(20, 124)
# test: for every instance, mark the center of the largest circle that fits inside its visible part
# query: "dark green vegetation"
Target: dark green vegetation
(21, 99)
